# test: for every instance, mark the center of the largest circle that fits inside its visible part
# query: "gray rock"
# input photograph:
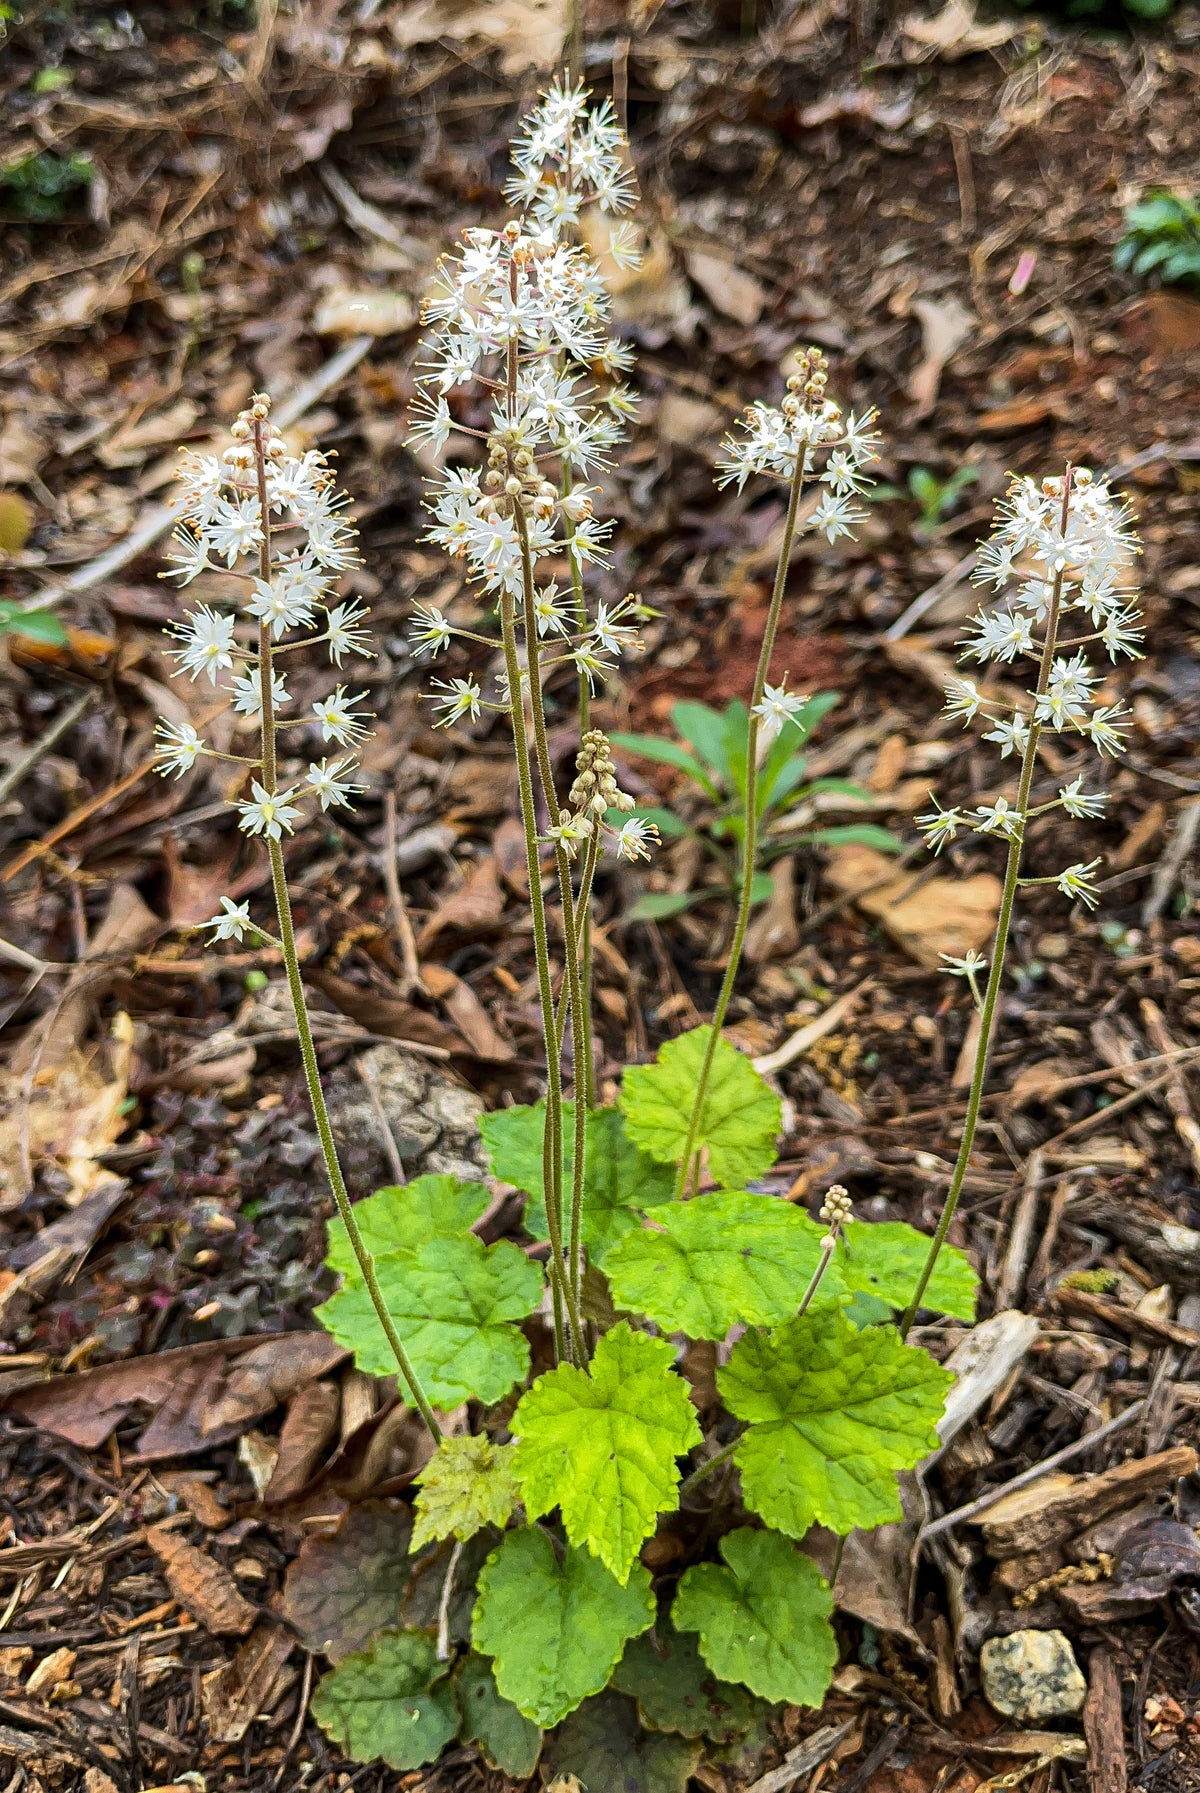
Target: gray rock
(1032, 1676)
(434, 1120)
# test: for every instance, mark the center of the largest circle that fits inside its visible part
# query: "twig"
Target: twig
(1020, 1238)
(18, 772)
(1166, 873)
(301, 1714)
(1085, 1443)
(388, 1138)
(1177, 1098)
(443, 1630)
(156, 521)
(84, 813)
(398, 908)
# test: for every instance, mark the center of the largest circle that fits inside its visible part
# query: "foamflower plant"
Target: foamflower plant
(1060, 561)
(276, 526)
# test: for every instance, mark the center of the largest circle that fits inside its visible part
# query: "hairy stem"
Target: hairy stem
(291, 961)
(579, 1035)
(991, 995)
(552, 1148)
(750, 829)
(709, 1464)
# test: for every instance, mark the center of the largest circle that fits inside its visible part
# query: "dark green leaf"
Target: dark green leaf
(511, 1742)
(604, 1748)
(386, 1704)
(677, 1691)
(763, 1618)
(660, 905)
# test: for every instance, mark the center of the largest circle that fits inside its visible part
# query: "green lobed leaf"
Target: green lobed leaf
(676, 1690)
(385, 1704)
(556, 1628)
(763, 1618)
(453, 1303)
(718, 1261)
(403, 1218)
(739, 1119)
(885, 1258)
(603, 1747)
(467, 1483)
(601, 1444)
(511, 1742)
(833, 1414)
(618, 1179)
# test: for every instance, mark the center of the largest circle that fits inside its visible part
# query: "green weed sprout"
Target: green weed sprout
(1162, 236)
(714, 759)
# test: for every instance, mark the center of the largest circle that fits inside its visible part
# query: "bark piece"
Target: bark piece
(1102, 1725)
(1153, 1235)
(1054, 1509)
(1132, 1321)
(201, 1586)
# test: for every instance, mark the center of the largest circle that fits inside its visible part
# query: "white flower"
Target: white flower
(1080, 803)
(836, 516)
(1002, 635)
(343, 632)
(1121, 634)
(208, 643)
(778, 706)
(429, 630)
(281, 603)
(1106, 728)
(333, 784)
(270, 815)
(568, 834)
(232, 529)
(555, 610)
(635, 839)
(998, 818)
(191, 559)
(963, 698)
(178, 748)
(337, 720)
(1011, 733)
(941, 826)
(1078, 883)
(201, 478)
(232, 921)
(609, 634)
(462, 699)
(970, 965)
(590, 665)
(247, 691)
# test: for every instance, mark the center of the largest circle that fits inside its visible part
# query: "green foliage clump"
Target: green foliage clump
(1162, 236)
(37, 188)
(714, 759)
(565, 1476)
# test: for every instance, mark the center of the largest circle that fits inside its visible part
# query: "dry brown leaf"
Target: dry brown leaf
(925, 916)
(342, 1589)
(234, 1694)
(22, 450)
(200, 1395)
(945, 326)
(308, 1430)
(467, 1013)
(529, 34)
(70, 1112)
(387, 1015)
(774, 932)
(372, 312)
(202, 1587)
(730, 289)
(477, 904)
(653, 292)
(128, 448)
(687, 422)
(955, 32)
(192, 1488)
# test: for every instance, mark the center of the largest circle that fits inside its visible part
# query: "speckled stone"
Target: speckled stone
(434, 1120)
(1032, 1676)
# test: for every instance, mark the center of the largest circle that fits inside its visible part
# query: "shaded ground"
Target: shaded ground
(256, 188)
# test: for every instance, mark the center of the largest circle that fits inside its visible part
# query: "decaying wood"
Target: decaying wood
(1040, 1516)
(1020, 1237)
(1126, 1319)
(1153, 1235)
(1102, 1725)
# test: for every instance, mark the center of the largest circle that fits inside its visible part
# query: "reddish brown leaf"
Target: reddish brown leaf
(342, 1589)
(201, 1586)
(237, 1691)
(307, 1431)
(476, 904)
(385, 1015)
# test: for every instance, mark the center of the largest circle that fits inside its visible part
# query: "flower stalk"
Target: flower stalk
(1077, 542)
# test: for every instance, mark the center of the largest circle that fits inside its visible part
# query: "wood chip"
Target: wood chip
(1055, 1508)
(202, 1586)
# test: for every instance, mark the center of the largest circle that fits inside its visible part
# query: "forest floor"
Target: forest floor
(937, 206)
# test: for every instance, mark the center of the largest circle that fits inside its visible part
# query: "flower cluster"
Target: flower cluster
(805, 438)
(1060, 554)
(276, 525)
(591, 799)
(520, 343)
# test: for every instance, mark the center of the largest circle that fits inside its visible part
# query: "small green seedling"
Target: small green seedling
(936, 497)
(714, 759)
(36, 189)
(1162, 236)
